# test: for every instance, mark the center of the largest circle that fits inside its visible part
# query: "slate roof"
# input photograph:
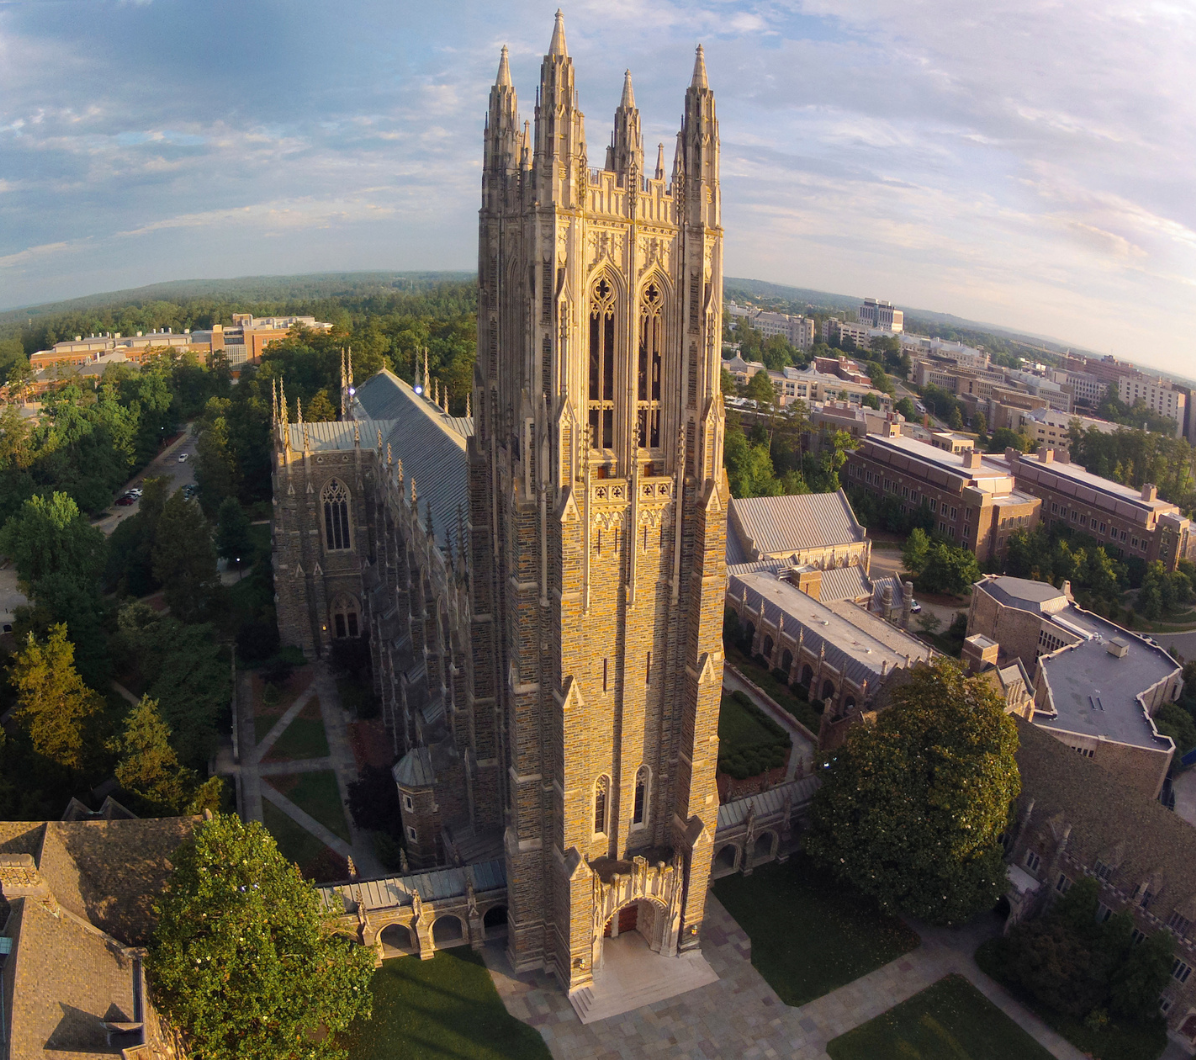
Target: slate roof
(1134, 834)
(775, 525)
(434, 885)
(430, 443)
(844, 583)
(799, 793)
(71, 967)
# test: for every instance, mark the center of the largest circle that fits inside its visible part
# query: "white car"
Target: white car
(182, 458)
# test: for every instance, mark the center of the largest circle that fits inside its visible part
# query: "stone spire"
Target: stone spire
(699, 78)
(557, 47)
(504, 70)
(660, 161)
(626, 155)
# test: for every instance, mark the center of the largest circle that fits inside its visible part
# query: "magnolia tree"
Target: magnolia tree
(242, 960)
(911, 808)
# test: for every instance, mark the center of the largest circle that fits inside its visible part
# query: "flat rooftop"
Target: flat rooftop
(1095, 693)
(1032, 468)
(986, 476)
(853, 642)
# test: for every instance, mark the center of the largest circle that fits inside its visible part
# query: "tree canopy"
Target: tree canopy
(241, 958)
(911, 808)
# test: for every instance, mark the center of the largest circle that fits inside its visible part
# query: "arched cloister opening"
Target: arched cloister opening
(397, 941)
(849, 703)
(494, 923)
(786, 660)
(828, 691)
(766, 648)
(726, 859)
(807, 675)
(448, 930)
(764, 847)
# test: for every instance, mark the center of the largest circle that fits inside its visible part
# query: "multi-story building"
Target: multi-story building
(877, 313)
(1127, 521)
(795, 328)
(1096, 686)
(841, 331)
(544, 607)
(1051, 429)
(808, 384)
(135, 348)
(247, 337)
(856, 420)
(973, 503)
(1088, 389)
(964, 356)
(1158, 395)
(1072, 821)
(815, 530)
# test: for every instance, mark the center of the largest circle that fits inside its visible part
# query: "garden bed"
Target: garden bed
(811, 932)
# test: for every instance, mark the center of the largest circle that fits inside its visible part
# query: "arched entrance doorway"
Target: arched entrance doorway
(633, 929)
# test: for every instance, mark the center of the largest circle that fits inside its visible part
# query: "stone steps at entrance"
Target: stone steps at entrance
(632, 976)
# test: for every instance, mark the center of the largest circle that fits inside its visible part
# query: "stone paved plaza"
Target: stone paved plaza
(740, 1016)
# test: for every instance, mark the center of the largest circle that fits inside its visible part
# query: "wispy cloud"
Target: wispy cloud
(1018, 162)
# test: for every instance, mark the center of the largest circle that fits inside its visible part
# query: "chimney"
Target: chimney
(887, 603)
(808, 580)
(979, 653)
(907, 601)
(20, 878)
(1046, 456)
(971, 460)
(1065, 588)
(1011, 454)
(1150, 491)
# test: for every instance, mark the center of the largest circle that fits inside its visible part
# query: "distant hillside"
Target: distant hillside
(917, 321)
(280, 290)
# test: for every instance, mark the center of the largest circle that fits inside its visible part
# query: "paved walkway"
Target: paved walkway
(339, 760)
(740, 1016)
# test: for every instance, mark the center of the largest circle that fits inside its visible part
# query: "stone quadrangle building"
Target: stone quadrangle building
(542, 582)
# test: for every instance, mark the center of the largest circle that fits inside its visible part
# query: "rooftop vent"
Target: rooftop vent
(1117, 647)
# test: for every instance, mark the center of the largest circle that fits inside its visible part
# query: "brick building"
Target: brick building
(973, 503)
(1096, 686)
(1074, 820)
(1127, 521)
(542, 582)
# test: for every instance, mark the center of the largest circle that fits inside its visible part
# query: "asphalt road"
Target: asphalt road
(165, 464)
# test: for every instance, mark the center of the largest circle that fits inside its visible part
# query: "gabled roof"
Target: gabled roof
(430, 443)
(782, 525)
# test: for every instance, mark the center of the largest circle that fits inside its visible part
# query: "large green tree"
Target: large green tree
(911, 808)
(54, 706)
(241, 958)
(184, 559)
(148, 767)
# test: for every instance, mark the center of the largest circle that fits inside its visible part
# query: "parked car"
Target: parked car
(190, 490)
(126, 499)
(135, 492)
(915, 607)
(182, 458)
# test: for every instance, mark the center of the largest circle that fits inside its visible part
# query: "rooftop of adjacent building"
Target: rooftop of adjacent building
(852, 640)
(1143, 843)
(763, 526)
(1093, 691)
(435, 885)
(986, 476)
(1047, 465)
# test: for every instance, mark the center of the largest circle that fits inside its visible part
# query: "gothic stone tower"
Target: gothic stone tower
(597, 511)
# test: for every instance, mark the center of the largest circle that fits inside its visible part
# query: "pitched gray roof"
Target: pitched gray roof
(844, 583)
(798, 792)
(430, 443)
(776, 525)
(433, 885)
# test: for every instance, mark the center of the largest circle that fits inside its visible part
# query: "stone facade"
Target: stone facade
(546, 638)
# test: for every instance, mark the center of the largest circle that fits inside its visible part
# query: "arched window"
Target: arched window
(601, 799)
(639, 814)
(602, 364)
(336, 516)
(650, 352)
(345, 621)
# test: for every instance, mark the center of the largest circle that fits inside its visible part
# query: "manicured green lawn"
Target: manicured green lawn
(810, 932)
(738, 729)
(303, 738)
(442, 1009)
(950, 1020)
(318, 795)
(780, 693)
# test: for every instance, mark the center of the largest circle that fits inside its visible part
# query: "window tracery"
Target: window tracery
(651, 347)
(336, 516)
(602, 364)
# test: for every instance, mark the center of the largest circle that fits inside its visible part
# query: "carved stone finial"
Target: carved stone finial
(352, 868)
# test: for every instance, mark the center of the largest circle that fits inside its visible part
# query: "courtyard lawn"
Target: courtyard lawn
(316, 794)
(303, 738)
(950, 1020)
(749, 741)
(297, 844)
(811, 933)
(780, 693)
(442, 1009)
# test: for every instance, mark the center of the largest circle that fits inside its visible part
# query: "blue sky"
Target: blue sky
(1024, 162)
